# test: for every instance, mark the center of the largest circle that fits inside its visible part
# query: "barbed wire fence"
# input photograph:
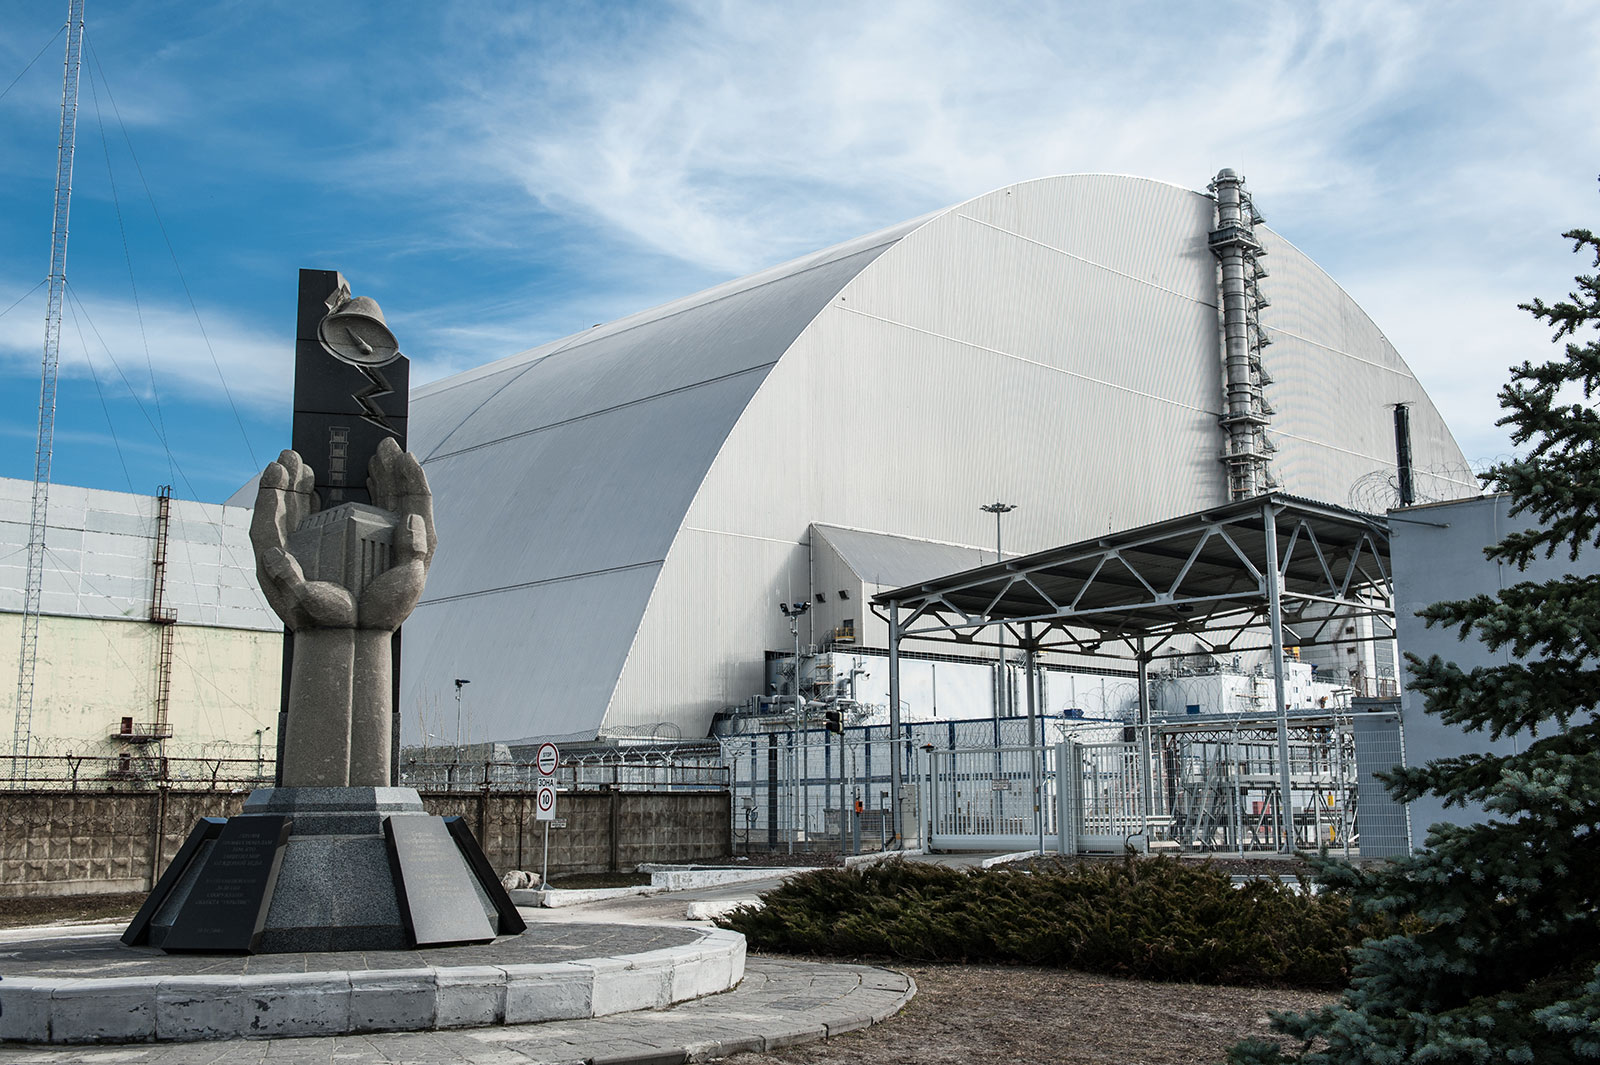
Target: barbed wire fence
(61, 764)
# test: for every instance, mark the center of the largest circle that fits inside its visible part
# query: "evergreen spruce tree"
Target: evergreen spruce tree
(1496, 953)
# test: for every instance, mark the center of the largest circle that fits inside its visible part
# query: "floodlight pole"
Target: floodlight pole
(795, 790)
(1002, 701)
(260, 732)
(793, 612)
(461, 682)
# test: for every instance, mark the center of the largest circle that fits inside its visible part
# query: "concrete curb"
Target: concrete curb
(781, 1002)
(668, 879)
(663, 878)
(190, 1008)
(875, 857)
(1014, 856)
(554, 898)
(710, 911)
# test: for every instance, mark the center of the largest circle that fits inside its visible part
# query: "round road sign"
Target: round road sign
(547, 759)
(547, 799)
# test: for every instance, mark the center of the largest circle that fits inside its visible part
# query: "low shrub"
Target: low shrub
(1156, 918)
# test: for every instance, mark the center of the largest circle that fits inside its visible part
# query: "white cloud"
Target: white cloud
(740, 134)
(1425, 153)
(166, 340)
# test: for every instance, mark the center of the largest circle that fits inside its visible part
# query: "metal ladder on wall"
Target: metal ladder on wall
(164, 619)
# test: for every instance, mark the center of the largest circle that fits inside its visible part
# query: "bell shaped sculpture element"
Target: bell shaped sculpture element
(355, 332)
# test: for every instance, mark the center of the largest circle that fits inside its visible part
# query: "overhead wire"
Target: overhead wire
(127, 256)
(24, 296)
(171, 251)
(159, 422)
(172, 459)
(61, 566)
(34, 60)
(175, 515)
(208, 725)
(104, 406)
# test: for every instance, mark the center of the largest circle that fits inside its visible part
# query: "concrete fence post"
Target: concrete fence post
(616, 830)
(158, 828)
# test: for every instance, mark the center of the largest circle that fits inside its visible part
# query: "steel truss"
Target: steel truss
(1228, 579)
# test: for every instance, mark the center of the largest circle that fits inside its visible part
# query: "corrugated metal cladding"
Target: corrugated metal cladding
(621, 511)
(100, 549)
(561, 477)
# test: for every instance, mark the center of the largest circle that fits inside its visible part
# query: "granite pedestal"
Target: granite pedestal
(361, 869)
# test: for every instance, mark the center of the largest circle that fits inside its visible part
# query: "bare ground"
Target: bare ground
(980, 1013)
(69, 909)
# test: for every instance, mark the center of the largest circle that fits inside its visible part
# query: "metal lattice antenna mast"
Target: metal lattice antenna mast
(22, 731)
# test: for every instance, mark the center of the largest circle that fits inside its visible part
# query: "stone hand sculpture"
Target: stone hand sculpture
(343, 580)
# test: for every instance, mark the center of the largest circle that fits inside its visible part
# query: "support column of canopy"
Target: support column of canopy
(1035, 734)
(1274, 579)
(894, 721)
(1146, 792)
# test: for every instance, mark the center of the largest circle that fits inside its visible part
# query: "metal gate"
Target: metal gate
(1105, 806)
(992, 798)
(1090, 798)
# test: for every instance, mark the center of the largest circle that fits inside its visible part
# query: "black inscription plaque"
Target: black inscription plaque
(511, 922)
(138, 933)
(228, 903)
(437, 902)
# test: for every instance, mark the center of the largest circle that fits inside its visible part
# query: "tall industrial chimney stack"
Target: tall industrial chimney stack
(1247, 451)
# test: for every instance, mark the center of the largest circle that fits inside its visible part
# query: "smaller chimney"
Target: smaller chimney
(1402, 453)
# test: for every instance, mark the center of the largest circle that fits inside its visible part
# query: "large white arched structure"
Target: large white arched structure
(620, 511)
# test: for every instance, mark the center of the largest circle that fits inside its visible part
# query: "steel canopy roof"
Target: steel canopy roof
(1203, 577)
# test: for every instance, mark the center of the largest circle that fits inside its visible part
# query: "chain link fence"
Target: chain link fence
(1205, 785)
(1188, 784)
(672, 768)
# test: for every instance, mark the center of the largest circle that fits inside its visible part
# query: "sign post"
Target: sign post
(546, 762)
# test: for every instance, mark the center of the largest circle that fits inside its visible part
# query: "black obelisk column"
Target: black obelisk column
(341, 414)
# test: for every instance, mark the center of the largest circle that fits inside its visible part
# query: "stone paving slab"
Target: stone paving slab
(92, 952)
(764, 1012)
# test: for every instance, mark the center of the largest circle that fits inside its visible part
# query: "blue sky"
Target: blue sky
(500, 175)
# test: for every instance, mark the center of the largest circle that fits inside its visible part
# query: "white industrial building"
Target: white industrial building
(1438, 554)
(153, 635)
(621, 512)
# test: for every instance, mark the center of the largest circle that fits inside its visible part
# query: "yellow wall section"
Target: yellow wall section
(92, 673)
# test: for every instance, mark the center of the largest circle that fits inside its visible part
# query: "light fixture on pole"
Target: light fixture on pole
(1003, 696)
(794, 612)
(259, 733)
(461, 682)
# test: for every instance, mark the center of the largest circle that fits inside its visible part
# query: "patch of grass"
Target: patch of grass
(1156, 919)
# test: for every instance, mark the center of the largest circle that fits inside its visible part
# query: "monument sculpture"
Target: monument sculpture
(342, 580)
(334, 857)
